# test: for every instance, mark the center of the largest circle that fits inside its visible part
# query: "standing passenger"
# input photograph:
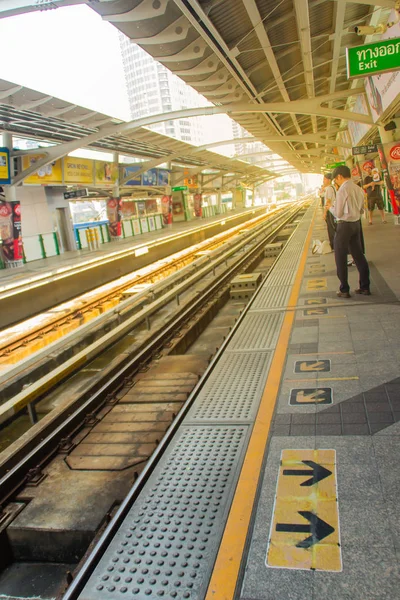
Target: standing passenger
(330, 195)
(349, 206)
(372, 185)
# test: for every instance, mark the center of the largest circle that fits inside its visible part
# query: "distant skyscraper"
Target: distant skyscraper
(153, 89)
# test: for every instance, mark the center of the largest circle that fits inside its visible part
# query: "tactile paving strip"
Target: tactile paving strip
(257, 332)
(167, 545)
(233, 389)
(271, 296)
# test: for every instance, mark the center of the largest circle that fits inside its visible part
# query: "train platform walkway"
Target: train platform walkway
(281, 482)
(70, 259)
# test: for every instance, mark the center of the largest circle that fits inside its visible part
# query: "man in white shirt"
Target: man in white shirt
(330, 196)
(349, 206)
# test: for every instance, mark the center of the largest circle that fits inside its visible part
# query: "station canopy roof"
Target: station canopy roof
(258, 51)
(30, 114)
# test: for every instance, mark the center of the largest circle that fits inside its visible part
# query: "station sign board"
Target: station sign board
(371, 59)
(334, 165)
(364, 149)
(81, 193)
(5, 172)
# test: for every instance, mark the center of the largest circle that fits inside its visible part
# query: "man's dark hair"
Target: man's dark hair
(328, 176)
(343, 171)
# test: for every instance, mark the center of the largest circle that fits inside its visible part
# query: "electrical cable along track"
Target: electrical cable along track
(114, 409)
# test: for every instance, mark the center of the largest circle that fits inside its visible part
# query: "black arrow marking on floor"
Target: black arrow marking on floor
(318, 472)
(318, 528)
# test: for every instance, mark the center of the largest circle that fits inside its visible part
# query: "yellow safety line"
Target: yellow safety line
(224, 577)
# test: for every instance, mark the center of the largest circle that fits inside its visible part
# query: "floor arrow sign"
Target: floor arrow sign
(317, 527)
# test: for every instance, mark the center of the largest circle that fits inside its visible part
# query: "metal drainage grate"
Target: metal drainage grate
(167, 544)
(233, 389)
(257, 332)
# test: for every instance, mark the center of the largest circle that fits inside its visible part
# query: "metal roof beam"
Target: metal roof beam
(258, 25)
(312, 106)
(303, 25)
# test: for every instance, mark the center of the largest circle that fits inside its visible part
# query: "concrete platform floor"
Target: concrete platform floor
(339, 391)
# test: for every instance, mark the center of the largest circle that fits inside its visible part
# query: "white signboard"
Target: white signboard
(383, 89)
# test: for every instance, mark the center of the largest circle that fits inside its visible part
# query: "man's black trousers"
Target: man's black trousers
(348, 239)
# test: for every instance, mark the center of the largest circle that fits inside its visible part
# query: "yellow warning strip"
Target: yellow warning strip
(223, 580)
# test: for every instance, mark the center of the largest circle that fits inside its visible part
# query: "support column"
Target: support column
(219, 201)
(114, 207)
(116, 191)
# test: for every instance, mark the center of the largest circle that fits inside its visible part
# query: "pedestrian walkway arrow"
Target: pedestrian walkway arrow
(317, 527)
(318, 473)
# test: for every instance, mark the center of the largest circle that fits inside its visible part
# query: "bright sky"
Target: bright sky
(69, 53)
(73, 54)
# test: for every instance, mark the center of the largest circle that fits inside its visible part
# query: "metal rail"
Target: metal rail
(15, 471)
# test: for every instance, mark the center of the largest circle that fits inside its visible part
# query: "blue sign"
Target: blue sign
(5, 172)
(163, 177)
(131, 170)
(150, 177)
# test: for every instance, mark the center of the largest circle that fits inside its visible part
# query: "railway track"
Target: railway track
(20, 340)
(121, 407)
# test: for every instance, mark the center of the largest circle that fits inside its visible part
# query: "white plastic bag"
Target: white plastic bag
(319, 247)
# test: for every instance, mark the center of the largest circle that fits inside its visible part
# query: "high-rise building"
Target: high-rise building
(153, 89)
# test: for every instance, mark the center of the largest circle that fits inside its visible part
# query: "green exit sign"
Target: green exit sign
(371, 59)
(179, 188)
(334, 165)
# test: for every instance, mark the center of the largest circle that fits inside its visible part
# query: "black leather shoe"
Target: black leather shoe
(363, 292)
(343, 294)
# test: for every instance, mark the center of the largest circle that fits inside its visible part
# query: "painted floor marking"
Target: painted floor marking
(312, 366)
(317, 284)
(312, 301)
(305, 526)
(301, 396)
(316, 311)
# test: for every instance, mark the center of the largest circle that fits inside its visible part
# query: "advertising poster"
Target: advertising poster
(106, 172)
(144, 225)
(78, 170)
(51, 173)
(152, 223)
(197, 205)
(166, 209)
(5, 174)
(141, 208)
(17, 231)
(131, 170)
(150, 177)
(114, 217)
(392, 156)
(356, 174)
(10, 231)
(128, 209)
(163, 177)
(382, 89)
(136, 227)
